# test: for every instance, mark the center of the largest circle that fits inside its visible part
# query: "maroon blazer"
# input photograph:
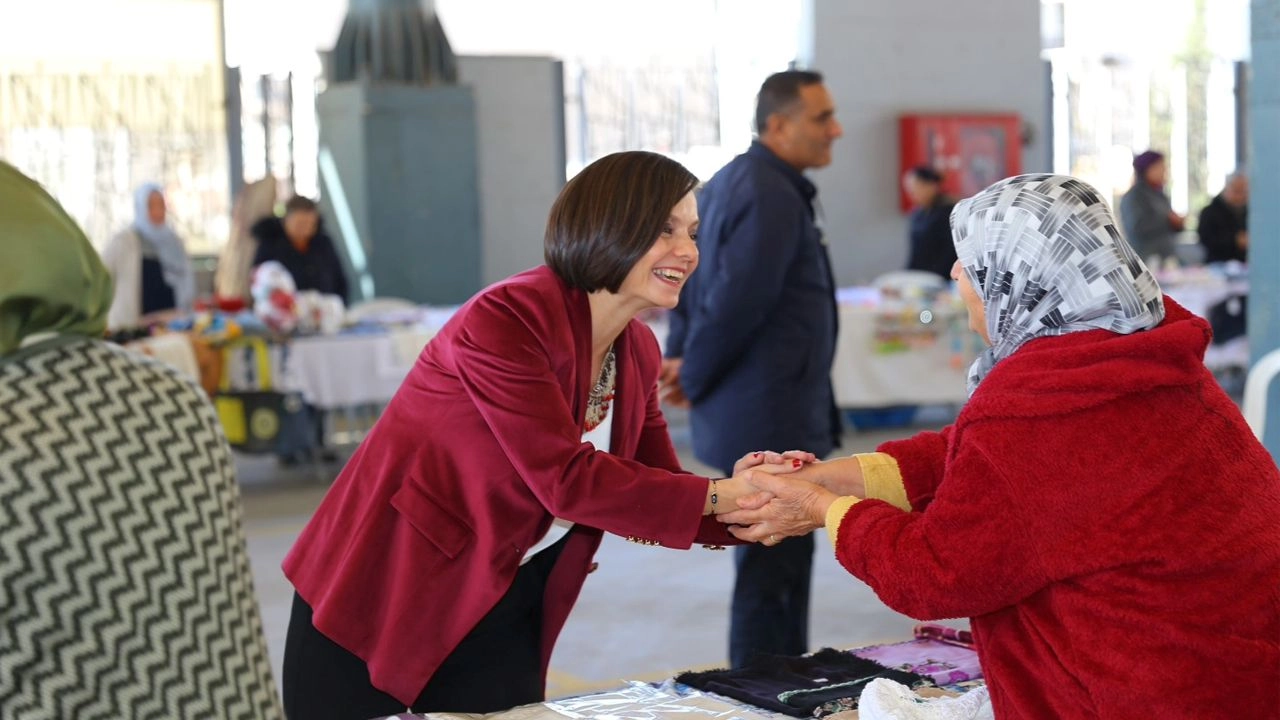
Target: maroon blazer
(424, 529)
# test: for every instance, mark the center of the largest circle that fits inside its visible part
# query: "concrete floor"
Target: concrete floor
(646, 614)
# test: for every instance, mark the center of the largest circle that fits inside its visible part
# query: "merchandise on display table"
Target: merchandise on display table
(635, 701)
(815, 685)
(887, 700)
(944, 663)
(893, 349)
(902, 348)
(273, 291)
(174, 349)
(1217, 293)
(255, 416)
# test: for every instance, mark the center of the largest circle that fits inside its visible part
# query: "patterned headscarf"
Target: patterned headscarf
(1045, 256)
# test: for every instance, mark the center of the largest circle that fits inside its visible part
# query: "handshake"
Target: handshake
(773, 495)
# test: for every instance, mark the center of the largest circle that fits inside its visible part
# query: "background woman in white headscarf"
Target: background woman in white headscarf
(1099, 509)
(148, 263)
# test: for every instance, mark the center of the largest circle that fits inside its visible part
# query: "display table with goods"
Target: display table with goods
(933, 676)
(345, 377)
(293, 373)
(1218, 293)
(898, 349)
(901, 344)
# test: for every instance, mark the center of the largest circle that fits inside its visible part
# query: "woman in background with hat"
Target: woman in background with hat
(1150, 223)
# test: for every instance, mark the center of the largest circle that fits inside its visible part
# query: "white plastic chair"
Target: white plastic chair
(1256, 386)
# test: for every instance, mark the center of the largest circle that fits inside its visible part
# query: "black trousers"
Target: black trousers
(497, 666)
(770, 610)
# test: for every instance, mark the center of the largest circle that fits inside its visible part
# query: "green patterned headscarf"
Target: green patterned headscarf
(51, 278)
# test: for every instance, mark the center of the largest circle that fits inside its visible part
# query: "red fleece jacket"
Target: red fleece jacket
(1102, 512)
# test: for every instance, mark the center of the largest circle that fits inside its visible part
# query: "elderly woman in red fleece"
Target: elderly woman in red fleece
(1099, 508)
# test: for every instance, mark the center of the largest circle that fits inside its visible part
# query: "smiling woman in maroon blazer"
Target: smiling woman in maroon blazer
(441, 566)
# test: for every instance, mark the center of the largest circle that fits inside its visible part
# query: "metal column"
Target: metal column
(1264, 211)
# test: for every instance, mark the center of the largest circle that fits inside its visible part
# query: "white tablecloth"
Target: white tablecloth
(346, 370)
(901, 352)
(887, 355)
(340, 370)
(335, 371)
(1200, 288)
(172, 348)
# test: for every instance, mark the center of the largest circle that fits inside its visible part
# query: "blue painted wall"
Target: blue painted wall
(1264, 205)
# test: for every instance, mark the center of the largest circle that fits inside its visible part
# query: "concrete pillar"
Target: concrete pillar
(1264, 211)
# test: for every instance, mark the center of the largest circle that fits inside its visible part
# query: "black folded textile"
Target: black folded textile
(798, 686)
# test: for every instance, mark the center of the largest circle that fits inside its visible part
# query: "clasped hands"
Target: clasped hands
(783, 495)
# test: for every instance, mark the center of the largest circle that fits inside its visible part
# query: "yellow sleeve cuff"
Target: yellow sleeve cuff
(836, 513)
(882, 480)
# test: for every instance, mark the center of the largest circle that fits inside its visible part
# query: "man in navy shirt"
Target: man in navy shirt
(752, 341)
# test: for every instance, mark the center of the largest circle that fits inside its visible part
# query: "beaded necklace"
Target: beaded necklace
(601, 394)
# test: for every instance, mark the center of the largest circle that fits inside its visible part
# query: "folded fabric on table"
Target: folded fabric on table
(635, 701)
(943, 633)
(799, 686)
(944, 662)
(887, 700)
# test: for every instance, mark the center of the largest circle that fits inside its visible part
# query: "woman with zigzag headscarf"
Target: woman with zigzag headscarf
(126, 583)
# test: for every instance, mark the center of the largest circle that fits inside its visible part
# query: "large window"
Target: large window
(1131, 76)
(101, 105)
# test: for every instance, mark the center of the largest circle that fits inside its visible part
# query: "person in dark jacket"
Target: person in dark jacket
(752, 341)
(929, 222)
(1224, 222)
(298, 242)
(1150, 223)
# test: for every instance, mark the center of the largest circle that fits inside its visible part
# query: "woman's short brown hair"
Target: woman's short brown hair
(609, 215)
(301, 203)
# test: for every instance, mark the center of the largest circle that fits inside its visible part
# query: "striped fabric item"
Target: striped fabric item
(125, 588)
(1046, 256)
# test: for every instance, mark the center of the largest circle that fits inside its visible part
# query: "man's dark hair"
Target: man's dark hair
(780, 91)
(298, 202)
(926, 173)
(609, 215)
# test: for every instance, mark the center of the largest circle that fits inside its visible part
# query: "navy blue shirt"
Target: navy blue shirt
(756, 323)
(932, 248)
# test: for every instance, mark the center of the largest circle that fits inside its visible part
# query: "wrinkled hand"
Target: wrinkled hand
(669, 388)
(794, 507)
(732, 490)
(792, 458)
(810, 472)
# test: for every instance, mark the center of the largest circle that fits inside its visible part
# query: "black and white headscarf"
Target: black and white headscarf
(1046, 257)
